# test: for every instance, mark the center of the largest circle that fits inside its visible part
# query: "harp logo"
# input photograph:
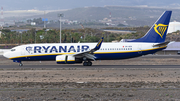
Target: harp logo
(160, 29)
(29, 49)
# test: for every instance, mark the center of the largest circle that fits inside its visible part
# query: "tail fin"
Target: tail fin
(158, 31)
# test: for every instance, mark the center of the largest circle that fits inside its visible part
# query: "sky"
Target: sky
(70, 4)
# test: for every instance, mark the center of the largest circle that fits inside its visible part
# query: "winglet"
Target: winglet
(99, 44)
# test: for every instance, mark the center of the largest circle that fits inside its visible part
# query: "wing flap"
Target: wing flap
(90, 56)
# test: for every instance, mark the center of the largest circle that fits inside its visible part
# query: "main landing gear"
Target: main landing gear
(89, 63)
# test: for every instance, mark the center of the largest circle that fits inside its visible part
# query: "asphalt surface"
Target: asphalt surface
(93, 67)
(46, 80)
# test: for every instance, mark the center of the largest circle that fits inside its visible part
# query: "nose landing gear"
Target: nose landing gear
(17, 61)
(20, 64)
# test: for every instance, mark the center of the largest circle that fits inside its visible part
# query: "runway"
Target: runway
(149, 61)
(88, 67)
(128, 79)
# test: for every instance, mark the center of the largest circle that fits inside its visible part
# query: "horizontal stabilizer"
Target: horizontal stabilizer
(162, 44)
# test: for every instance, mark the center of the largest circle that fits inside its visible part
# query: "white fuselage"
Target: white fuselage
(107, 51)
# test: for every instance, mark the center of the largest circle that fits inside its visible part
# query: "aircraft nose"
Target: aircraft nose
(6, 55)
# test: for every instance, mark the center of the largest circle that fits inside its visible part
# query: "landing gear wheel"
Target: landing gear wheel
(89, 63)
(20, 64)
(85, 64)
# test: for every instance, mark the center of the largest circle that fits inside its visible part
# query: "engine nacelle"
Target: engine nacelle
(65, 59)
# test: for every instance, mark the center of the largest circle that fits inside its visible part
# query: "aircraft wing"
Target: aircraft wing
(89, 54)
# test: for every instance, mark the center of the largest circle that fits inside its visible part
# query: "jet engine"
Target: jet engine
(66, 59)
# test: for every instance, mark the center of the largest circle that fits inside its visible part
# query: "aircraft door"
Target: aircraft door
(139, 49)
(22, 51)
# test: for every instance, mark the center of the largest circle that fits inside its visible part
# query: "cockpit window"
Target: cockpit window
(13, 49)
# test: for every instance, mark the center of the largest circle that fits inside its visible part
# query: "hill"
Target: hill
(133, 16)
(70, 4)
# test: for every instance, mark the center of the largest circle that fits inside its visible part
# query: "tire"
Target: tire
(90, 63)
(85, 64)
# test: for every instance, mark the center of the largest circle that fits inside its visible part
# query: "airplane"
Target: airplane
(71, 53)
